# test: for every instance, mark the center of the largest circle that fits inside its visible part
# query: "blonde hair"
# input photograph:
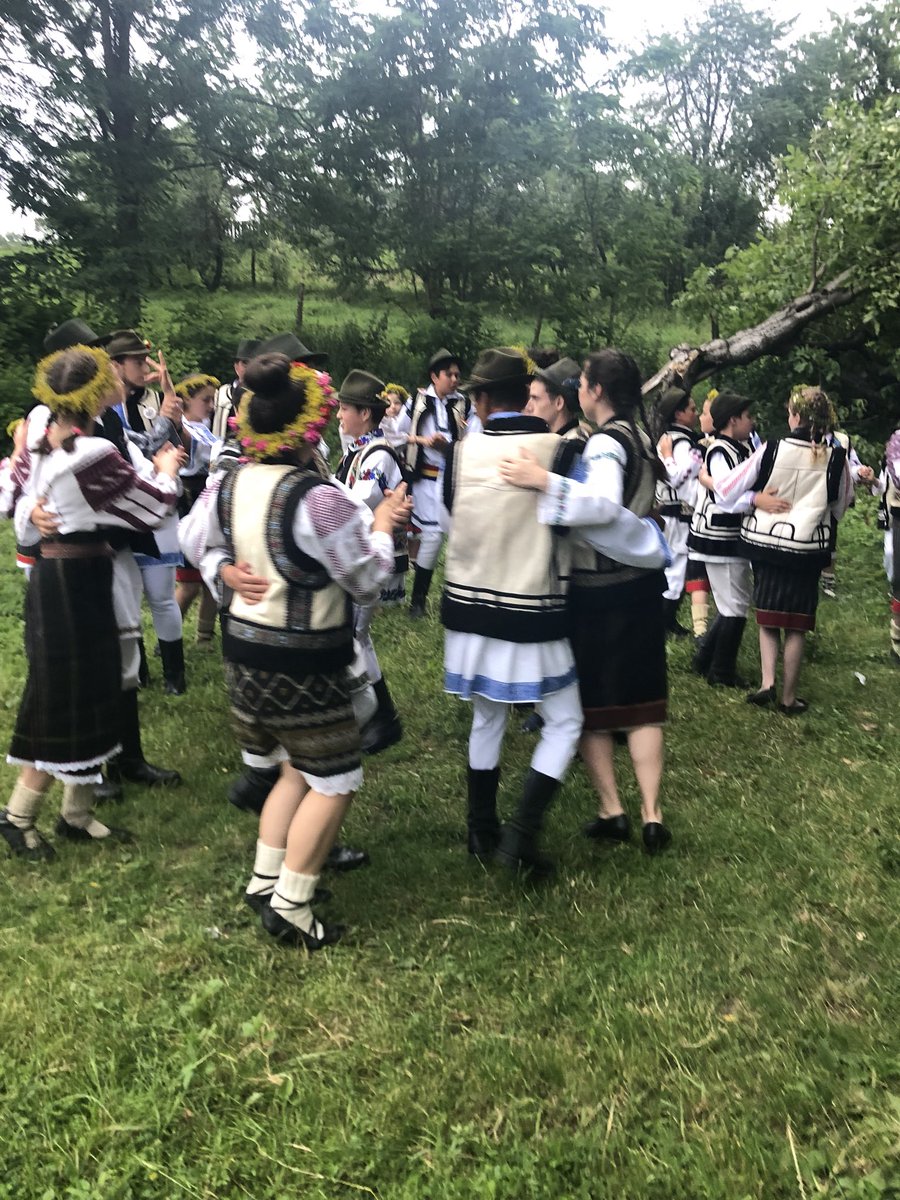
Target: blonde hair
(815, 410)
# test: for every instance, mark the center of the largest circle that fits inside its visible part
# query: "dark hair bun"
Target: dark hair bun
(276, 399)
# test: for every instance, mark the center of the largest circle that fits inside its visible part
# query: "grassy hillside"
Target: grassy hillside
(716, 1024)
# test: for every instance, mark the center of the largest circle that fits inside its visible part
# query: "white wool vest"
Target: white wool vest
(800, 475)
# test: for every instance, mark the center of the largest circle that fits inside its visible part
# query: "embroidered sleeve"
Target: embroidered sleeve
(335, 529)
(113, 490)
(734, 489)
(592, 499)
(892, 454)
(683, 464)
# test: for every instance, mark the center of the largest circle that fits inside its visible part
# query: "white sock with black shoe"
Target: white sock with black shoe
(21, 811)
(77, 810)
(291, 898)
(266, 869)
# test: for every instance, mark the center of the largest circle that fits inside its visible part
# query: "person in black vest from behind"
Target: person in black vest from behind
(678, 447)
(228, 396)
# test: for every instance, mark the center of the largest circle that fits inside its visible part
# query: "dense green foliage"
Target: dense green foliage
(718, 1023)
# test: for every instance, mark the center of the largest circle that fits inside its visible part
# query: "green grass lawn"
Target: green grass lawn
(718, 1023)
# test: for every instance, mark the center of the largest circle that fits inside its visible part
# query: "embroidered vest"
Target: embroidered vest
(678, 502)
(713, 530)
(303, 623)
(595, 574)
(349, 472)
(506, 575)
(809, 481)
(423, 404)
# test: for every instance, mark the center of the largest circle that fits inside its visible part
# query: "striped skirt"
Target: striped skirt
(786, 597)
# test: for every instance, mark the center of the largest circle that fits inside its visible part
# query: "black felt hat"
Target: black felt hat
(497, 367)
(363, 390)
(122, 343)
(247, 348)
(562, 378)
(670, 402)
(440, 359)
(725, 406)
(71, 333)
(289, 344)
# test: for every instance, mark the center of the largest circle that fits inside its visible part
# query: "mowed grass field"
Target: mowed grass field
(719, 1023)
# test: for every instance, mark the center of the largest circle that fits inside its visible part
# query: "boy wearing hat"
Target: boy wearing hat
(504, 611)
(676, 494)
(433, 422)
(370, 469)
(228, 396)
(553, 397)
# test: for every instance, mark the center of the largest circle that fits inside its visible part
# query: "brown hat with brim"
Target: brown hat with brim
(71, 333)
(440, 359)
(363, 390)
(495, 368)
(123, 343)
(289, 344)
(562, 377)
(247, 348)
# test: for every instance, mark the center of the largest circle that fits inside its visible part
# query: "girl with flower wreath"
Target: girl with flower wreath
(69, 716)
(789, 549)
(287, 646)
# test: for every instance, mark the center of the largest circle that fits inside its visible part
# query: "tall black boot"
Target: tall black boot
(421, 585)
(384, 728)
(722, 671)
(172, 654)
(673, 629)
(481, 818)
(143, 665)
(706, 648)
(131, 764)
(518, 847)
(250, 791)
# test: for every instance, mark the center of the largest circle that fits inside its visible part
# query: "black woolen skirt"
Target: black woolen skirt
(786, 597)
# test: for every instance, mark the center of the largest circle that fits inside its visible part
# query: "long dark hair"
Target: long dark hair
(620, 378)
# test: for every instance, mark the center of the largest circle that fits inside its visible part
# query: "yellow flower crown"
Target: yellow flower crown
(90, 397)
(813, 407)
(192, 384)
(397, 390)
(530, 365)
(306, 429)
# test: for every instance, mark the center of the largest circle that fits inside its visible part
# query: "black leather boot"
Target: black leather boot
(722, 671)
(143, 666)
(421, 585)
(673, 629)
(249, 791)
(172, 654)
(706, 647)
(131, 764)
(481, 819)
(519, 838)
(384, 728)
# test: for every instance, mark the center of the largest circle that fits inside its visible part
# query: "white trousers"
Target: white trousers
(732, 586)
(426, 517)
(159, 588)
(676, 535)
(558, 741)
(363, 615)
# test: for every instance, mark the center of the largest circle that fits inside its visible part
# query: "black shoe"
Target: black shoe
(519, 851)
(763, 697)
(732, 681)
(260, 900)
(138, 770)
(345, 858)
(421, 586)
(172, 654)
(76, 834)
(291, 935)
(705, 648)
(16, 840)
(250, 791)
(608, 829)
(533, 723)
(655, 836)
(107, 792)
(379, 733)
(794, 710)
(416, 609)
(723, 668)
(483, 843)
(673, 629)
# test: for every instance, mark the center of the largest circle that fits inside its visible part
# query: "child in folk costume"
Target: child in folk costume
(888, 487)
(397, 398)
(286, 654)
(433, 422)
(715, 540)
(68, 720)
(615, 599)
(676, 494)
(371, 468)
(228, 395)
(696, 582)
(859, 473)
(789, 548)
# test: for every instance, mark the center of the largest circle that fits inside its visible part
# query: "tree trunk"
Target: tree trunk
(298, 315)
(253, 266)
(538, 326)
(777, 333)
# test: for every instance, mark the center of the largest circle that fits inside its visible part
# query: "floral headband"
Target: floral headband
(306, 429)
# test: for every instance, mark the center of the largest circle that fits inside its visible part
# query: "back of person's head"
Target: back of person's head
(77, 381)
(815, 410)
(619, 376)
(508, 397)
(277, 399)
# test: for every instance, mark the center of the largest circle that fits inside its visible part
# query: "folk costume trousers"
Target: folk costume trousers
(558, 737)
(732, 586)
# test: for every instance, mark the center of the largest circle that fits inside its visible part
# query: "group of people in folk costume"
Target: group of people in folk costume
(569, 546)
